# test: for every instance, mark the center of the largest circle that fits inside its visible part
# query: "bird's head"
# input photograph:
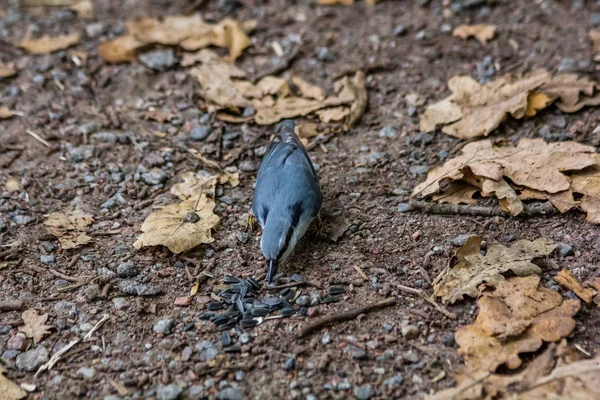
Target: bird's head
(275, 243)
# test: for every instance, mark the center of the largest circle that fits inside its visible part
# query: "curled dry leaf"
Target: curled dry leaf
(35, 325)
(457, 193)
(483, 33)
(476, 110)
(194, 183)
(587, 183)
(48, 44)
(8, 389)
(181, 226)
(70, 227)
(472, 269)
(532, 164)
(517, 317)
(7, 70)
(189, 32)
(566, 279)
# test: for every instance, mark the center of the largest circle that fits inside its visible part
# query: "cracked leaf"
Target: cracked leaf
(516, 317)
(49, 44)
(472, 268)
(35, 325)
(180, 226)
(70, 227)
(481, 32)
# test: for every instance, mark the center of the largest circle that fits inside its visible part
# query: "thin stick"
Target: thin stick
(95, 328)
(346, 316)
(361, 273)
(78, 285)
(38, 138)
(11, 305)
(293, 284)
(421, 294)
(529, 210)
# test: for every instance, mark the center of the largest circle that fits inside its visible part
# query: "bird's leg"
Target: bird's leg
(320, 225)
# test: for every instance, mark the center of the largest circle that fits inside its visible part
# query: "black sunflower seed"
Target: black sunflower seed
(285, 291)
(214, 306)
(188, 327)
(254, 283)
(248, 323)
(260, 312)
(240, 305)
(303, 311)
(330, 299)
(206, 315)
(221, 319)
(290, 295)
(227, 326)
(272, 301)
(297, 278)
(334, 290)
(230, 279)
(288, 311)
(290, 364)
(225, 339)
(233, 349)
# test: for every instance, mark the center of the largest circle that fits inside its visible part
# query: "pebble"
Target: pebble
(10, 354)
(200, 133)
(302, 300)
(163, 326)
(595, 19)
(92, 292)
(159, 60)
(326, 55)
(47, 259)
(565, 250)
(183, 301)
(315, 298)
(120, 303)
(2, 226)
(399, 30)
(460, 240)
(22, 219)
(388, 131)
(48, 246)
(248, 166)
(230, 393)
(168, 392)
(5, 329)
(356, 352)
(105, 137)
(195, 392)
(16, 342)
(134, 288)
(394, 381)
(290, 364)
(410, 332)
(485, 69)
(421, 139)
(448, 339)
(31, 360)
(81, 153)
(404, 207)
(154, 177)
(411, 357)
(419, 169)
(364, 392)
(326, 339)
(126, 270)
(88, 373)
(186, 354)
(244, 338)
(242, 237)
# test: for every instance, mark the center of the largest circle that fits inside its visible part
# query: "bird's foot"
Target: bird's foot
(320, 226)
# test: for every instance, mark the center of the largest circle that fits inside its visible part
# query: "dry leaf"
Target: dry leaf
(8, 389)
(476, 110)
(83, 8)
(457, 193)
(13, 185)
(566, 279)
(587, 182)
(481, 32)
(532, 164)
(472, 268)
(5, 112)
(308, 90)
(70, 227)
(7, 70)
(516, 317)
(35, 325)
(181, 226)
(122, 49)
(201, 56)
(158, 116)
(194, 184)
(48, 44)
(563, 201)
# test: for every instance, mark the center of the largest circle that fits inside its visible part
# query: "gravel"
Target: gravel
(163, 326)
(230, 393)
(127, 270)
(364, 392)
(159, 60)
(388, 131)
(410, 332)
(154, 177)
(168, 392)
(565, 250)
(200, 133)
(88, 373)
(460, 240)
(135, 288)
(31, 360)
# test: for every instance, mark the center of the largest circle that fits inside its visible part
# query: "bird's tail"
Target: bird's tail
(285, 130)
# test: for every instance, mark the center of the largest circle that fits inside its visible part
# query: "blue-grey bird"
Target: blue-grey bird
(287, 196)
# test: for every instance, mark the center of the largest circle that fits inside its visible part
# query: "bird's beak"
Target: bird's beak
(271, 271)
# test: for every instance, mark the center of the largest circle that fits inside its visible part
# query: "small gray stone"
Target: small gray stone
(364, 392)
(410, 332)
(186, 354)
(132, 287)
(195, 392)
(2, 226)
(565, 250)
(103, 271)
(315, 298)
(248, 166)
(460, 240)
(595, 19)
(159, 60)
(230, 393)
(92, 292)
(168, 392)
(394, 381)
(242, 237)
(404, 207)
(32, 359)
(388, 131)
(163, 326)
(113, 397)
(10, 354)
(22, 219)
(326, 339)
(244, 338)
(448, 339)
(325, 55)
(126, 270)
(200, 133)
(302, 300)
(399, 30)
(240, 376)
(48, 246)
(485, 69)
(5, 329)
(419, 169)
(47, 259)
(88, 373)
(154, 177)
(81, 153)
(105, 137)
(119, 303)
(356, 352)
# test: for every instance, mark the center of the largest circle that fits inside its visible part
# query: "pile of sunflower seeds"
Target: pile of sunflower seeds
(239, 302)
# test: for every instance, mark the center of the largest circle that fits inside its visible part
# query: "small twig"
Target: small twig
(11, 305)
(346, 316)
(361, 273)
(409, 290)
(293, 284)
(421, 294)
(37, 137)
(529, 210)
(78, 285)
(95, 328)
(73, 261)
(63, 276)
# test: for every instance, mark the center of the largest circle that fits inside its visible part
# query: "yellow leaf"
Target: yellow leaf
(194, 288)
(48, 44)
(481, 32)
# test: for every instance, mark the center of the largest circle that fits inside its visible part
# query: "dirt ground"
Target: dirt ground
(364, 176)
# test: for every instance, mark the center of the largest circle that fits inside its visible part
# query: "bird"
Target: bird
(287, 196)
